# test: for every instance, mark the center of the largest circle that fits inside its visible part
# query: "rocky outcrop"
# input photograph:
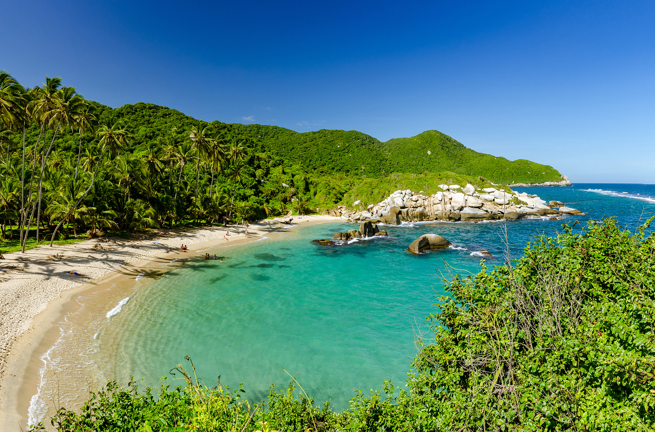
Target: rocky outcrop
(392, 217)
(427, 242)
(366, 229)
(454, 203)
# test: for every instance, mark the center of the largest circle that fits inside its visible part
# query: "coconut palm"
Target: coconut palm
(202, 142)
(84, 119)
(64, 112)
(111, 139)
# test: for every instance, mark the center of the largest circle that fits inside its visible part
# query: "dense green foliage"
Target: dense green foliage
(71, 166)
(563, 339)
(411, 155)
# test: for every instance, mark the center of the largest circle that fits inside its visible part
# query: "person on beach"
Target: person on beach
(225, 238)
(246, 231)
(2, 256)
(74, 273)
(215, 257)
(170, 249)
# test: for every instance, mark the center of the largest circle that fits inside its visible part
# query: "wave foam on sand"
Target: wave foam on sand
(118, 308)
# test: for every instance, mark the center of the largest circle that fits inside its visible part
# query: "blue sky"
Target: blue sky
(566, 83)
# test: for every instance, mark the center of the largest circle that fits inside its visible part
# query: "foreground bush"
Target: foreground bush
(561, 340)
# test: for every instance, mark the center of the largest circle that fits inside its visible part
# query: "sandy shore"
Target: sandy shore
(36, 289)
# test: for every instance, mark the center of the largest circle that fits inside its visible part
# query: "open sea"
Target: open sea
(336, 318)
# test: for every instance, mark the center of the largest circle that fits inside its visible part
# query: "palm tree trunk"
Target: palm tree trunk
(179, 179)
(77, 165)
(29, 222)
(38, 214)
(61, 222)
(195, 201)
(211, 185)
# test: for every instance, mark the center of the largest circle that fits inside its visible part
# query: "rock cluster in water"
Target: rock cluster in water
(455, 203)
(366, 229)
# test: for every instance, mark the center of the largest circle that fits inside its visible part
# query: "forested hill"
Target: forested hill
(338, 151)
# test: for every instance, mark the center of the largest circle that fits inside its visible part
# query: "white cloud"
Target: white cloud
(250, 118)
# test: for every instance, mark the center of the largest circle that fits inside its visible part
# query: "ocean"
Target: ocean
(338, 319)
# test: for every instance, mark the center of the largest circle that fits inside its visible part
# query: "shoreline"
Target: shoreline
(37, 296)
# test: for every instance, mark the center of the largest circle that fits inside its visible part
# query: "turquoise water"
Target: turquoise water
(336, 318)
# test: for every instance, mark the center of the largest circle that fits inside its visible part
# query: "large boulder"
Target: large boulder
(469, 189)
(354, 234)
(426, 242)
(367, 229)
(393, 217)
(475, 202)
(457, 201)
(512, 215)
(469, 213)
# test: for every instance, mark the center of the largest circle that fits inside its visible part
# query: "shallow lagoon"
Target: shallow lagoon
(336, 318)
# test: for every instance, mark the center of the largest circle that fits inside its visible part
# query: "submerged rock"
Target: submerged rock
(324, 242)
(428, 241)
(570, 210)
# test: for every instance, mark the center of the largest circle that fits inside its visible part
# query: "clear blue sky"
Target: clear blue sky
(566, 83)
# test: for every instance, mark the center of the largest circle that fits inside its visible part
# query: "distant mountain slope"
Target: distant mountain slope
(411, 155)
(338, 151)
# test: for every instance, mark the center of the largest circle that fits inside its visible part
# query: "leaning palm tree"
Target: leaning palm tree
(111, 139)
(66, 107)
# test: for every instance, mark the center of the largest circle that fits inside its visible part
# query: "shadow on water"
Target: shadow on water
(217, 279)
(262, 265)
(268, 257)
(260, 277)
(284, 266)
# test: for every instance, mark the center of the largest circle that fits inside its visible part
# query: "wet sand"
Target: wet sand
(40, 294)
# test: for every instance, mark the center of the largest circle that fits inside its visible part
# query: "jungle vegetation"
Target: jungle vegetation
(71, 166)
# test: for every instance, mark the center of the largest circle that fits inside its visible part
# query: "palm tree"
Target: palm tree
(112, 139)
(183, 154)
(13, 102)
(84, 118)
(140, 215)
(202, 141)
(66, 107)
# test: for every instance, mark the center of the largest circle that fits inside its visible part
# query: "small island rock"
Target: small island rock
(428, 241)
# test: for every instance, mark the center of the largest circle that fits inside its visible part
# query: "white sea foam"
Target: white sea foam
(478, 254)
(455, 247)
(140, 275)
(622, 195)
(263, 238)
(38, 407)
(118, 308)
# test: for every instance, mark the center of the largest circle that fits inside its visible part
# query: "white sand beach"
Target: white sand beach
(36, 285)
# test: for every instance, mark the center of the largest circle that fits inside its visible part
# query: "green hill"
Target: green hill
(338, 151)
(433, 151)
